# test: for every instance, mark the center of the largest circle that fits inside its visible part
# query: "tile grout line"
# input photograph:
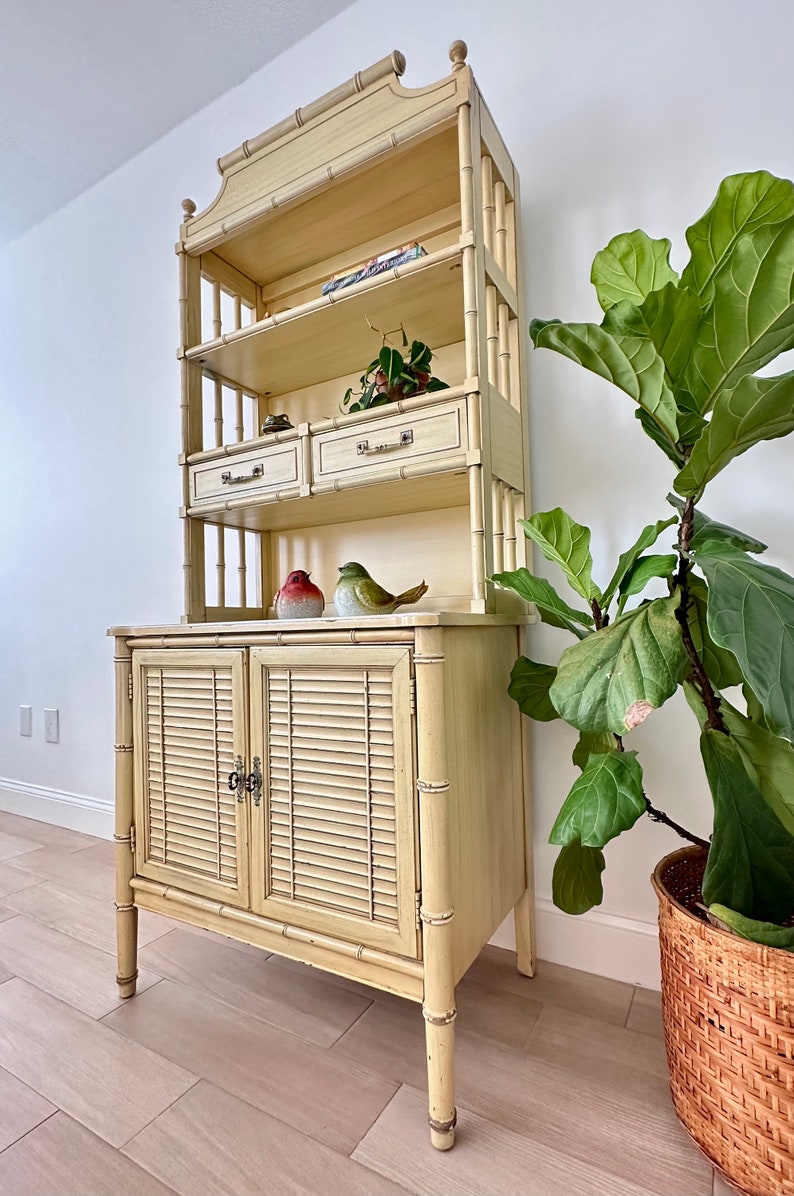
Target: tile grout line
(170, 1105)
(33, 1128)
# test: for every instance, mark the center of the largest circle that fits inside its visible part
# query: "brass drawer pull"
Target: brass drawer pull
(258, 471)
(364, 449)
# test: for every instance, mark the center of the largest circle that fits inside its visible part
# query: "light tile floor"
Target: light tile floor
(235, 1073)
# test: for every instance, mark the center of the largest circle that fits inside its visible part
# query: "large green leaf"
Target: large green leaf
(750, 867)
(745, 203)
(751, 318)
(645, 568)
(723, 533)
(755, 409)
(766, 933)
(603, 802)
(630, 267)
(751, 613)
(668, 317)
(614, 679)
(768, 761)
(592, 743)
(576, 882)
(722, 667)
(660, 438)
(551, 607)
(567, 544)
(529, 687)
(632, 363)
(626, 561)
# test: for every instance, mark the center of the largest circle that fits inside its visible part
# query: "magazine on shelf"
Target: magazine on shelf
(376, 265)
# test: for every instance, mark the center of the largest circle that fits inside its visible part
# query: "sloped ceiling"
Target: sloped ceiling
(86, 84)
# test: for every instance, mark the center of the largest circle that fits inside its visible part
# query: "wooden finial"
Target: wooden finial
(189, 208)
(457, 53)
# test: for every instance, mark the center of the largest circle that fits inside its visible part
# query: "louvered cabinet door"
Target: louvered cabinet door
(333, 839)
(189, 727)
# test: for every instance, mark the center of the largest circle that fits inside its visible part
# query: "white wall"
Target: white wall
(617, 117)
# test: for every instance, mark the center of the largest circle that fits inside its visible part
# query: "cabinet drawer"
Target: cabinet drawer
(397, 439)
(266, 468)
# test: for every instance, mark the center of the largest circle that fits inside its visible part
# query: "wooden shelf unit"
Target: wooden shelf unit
(352, 793)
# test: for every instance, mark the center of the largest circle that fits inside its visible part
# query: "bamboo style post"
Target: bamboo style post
(192, 423)
(126, 910)
(436, 910)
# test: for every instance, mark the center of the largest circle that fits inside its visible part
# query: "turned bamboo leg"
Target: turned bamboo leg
(436, 910)
(126, 910)
(523, 917)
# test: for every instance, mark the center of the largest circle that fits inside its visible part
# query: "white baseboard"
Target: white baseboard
(90, 815)
(605, 944)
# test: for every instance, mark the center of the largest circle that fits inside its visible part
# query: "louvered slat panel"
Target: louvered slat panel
(331, 783)
(191, 813)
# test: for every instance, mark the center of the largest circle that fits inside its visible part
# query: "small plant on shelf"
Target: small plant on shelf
(393, 376)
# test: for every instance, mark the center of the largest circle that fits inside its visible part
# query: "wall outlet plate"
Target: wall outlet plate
(51, 726)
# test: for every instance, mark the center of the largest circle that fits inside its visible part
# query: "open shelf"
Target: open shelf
(392, 190)
(330, 337)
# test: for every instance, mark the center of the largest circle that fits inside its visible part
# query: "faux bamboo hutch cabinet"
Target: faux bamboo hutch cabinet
(348, 792)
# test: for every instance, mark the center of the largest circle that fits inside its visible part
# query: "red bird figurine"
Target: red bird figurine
(299, 598)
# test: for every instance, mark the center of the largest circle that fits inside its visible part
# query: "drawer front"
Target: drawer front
(255, 472)
(399, 439)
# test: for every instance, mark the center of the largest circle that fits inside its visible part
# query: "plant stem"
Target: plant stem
(700, 678)
(659, 816)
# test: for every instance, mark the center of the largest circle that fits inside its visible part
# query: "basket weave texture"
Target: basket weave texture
(728, 1010)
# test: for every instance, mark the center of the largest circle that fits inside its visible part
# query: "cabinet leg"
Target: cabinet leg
(127, 949)
(524, 919)
(440, 1038)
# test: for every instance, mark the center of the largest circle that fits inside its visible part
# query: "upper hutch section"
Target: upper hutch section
(366, 168)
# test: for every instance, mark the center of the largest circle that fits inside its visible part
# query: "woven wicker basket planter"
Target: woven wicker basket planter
(728, 1010)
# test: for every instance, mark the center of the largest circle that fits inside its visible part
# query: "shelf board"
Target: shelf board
(327, 339)
(404, 496)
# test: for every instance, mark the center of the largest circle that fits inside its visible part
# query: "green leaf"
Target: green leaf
(626, 561)
(644, 568)
(552, 609)
(660, 438)
(421, 354)
(567, 544)
(632, 363)
(768, 761)
(755, 711)
(436, 384)
(756, 409)
(392, 364)
(631, 266)
(529, 687)
(603, 802)
(751, 613)
(722, 533)
(615, 678)
(745, 203)
(722, 667)
(751, 318)
(750, 867)
(592, 743)
(766, 933)
(668, 317)
(576, 882)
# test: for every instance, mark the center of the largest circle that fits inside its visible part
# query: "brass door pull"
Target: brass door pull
(236, 778)
(253, 782)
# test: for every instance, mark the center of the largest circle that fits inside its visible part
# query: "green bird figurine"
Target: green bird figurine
(357, 594)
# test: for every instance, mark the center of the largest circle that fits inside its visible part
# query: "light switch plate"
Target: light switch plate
(26, 720)
(51, 726)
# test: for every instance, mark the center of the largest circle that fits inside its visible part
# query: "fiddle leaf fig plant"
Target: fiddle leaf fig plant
(687, 351)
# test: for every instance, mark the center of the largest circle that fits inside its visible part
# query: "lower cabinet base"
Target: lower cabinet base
(404, 977)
